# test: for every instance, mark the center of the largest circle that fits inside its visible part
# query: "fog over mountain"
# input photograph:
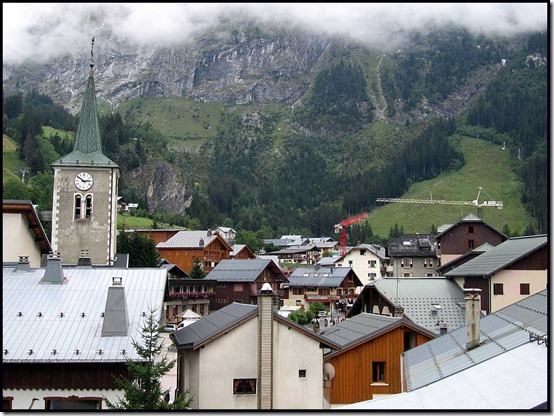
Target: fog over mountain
(39, 31)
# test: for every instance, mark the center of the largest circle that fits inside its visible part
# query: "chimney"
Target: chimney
(399, 312)
(84, 260)
(265, 350)
(209, 233)
(116, 320)
(53, 273)
(201, 243)
(23, 264)
(473, 310)
(443, 329)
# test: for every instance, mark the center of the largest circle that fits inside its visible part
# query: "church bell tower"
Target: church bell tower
(84, 206)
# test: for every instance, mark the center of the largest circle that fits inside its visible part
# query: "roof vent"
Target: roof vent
(209, 233)
(116, 320)
(84, 259)
(53, 273)
(23, 264)
(201, 242)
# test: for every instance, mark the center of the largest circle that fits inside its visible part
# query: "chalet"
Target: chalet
(122, 204)
(367, 365)
(287, 241)
(335, 287)
(507, 273)
(227, 233)
(185, 246)
(369, 261)
(242, 252)
(23, 237)
(326, 245)
(68, 331)
(506, 368)
(468, 233)
(413, 255)
(184, 293)
(241, 281)
(434, 303)
(308, 254)
(248, 357)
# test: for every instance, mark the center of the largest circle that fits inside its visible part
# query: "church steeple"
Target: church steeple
(87, 149)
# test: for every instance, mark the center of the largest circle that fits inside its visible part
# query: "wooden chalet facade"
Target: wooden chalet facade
(185, 246)
(467, 234)
(369, 366)
(158, 235)
(242, 252)
(188, 294)
(241, 281)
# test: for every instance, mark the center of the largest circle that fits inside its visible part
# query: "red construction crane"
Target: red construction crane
(341, 227)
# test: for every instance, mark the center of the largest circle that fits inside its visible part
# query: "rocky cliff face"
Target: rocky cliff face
(231, 66)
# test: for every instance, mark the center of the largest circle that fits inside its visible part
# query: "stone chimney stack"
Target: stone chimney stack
(265, 350)
(473, 312)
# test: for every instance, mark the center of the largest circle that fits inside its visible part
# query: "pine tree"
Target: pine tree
(142, 389)
(196, 271)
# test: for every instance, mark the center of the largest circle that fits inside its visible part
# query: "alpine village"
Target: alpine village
(268, 218)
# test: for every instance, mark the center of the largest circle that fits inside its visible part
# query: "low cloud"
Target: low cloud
(41, 30)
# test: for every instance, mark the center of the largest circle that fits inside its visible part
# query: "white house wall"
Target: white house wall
(233, 355)
(19, 240)
(360, 265)
(294, 351)
(511, 280)
(22, 398)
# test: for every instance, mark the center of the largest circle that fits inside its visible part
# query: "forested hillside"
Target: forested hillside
(273, 169)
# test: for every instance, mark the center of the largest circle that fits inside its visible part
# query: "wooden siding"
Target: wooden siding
(62, 375)
(537, 260)
(476, 282)
(353, 368)
(159, 236)
(455, 241)
(184, 257)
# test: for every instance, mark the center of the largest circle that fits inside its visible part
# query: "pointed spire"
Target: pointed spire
(87, 139)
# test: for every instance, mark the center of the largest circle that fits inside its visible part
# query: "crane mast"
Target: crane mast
(341, 227)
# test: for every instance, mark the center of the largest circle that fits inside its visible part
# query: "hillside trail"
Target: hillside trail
(381, 102)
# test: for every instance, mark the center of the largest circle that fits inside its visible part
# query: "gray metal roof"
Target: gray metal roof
(241, 270)
(360, 327)
(375, 249)
(470, 218)
(417, 295)
(213, 324)
(501, 331)
(188, 239)
(413, 245)
(516, 379)
(321, 277)
(500, 257)
(85, 290)
(87, 149)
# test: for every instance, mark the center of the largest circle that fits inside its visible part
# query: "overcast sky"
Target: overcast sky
(38, 30)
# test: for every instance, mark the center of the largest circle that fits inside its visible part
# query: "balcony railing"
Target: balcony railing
(191, 295)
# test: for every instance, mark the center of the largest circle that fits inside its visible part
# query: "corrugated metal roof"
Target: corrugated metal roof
(500, 331)
(188, 239)
(240, 270)
(499, 257)
(514, 379)
(322, 277)
(418, 295)
(85, 291)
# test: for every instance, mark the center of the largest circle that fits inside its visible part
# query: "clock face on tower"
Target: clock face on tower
(83, 181)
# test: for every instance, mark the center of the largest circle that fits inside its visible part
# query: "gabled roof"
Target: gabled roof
(83, 291)
(413, 245)
(296, 250)
(501, 331)
(471, 218)
(363, 327)
(329, 261)
(27, 209)
(377, 250)
(173, 268)
(500, 257)
(418, 295)
(218, 323)
(87, 149)
(192, 239)
(465, 257)
(242, 270)
(321, 276)
(237, 248)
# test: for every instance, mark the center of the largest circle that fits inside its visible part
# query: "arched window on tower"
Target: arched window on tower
(77, 210)
(88, 206)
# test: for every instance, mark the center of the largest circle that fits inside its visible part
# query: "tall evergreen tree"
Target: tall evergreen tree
(197, 272)
(143, 389)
